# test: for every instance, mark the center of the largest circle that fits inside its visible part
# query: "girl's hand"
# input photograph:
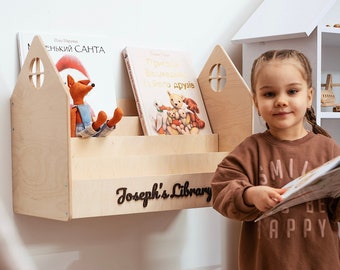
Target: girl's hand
(263, 197)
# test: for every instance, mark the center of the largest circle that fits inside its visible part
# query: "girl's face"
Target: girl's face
(282, 97)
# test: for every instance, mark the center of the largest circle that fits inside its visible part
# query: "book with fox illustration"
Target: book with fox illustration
(321, 182)
(84, 57)
(167, 94)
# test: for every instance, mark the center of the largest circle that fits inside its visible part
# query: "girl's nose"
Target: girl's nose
(281, 101)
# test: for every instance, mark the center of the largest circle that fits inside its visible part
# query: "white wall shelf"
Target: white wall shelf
(328, 63)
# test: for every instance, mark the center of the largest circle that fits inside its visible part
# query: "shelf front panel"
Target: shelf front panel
(126, 195)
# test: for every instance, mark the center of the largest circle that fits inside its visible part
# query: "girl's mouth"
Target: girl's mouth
(281, 113)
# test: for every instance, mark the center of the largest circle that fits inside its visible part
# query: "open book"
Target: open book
(321, 182)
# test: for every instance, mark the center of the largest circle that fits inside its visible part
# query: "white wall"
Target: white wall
(188, 239)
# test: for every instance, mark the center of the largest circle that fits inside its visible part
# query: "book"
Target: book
(166, 90)
(84, 57)
(321, 182)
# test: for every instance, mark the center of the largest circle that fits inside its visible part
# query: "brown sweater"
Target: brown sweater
(301, 237)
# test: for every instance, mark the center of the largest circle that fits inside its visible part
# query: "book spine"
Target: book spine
(134, 90)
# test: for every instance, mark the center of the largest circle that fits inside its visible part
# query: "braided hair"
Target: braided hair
(311, 119)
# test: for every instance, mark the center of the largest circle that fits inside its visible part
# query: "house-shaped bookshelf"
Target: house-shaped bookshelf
(307, 26)
(63, 178)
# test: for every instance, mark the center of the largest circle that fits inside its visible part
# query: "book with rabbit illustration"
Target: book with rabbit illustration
(167, 94)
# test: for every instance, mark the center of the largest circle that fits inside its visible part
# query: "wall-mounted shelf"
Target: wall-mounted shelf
(63, 178)
(330, 36)
(329, 115)
(328, 64)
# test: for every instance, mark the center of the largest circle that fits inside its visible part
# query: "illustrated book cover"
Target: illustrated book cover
(321, 182)
(84, 57)
(167, 94)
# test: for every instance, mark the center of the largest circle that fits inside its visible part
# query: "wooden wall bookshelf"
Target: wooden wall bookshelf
(63, 178)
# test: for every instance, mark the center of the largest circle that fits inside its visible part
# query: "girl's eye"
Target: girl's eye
(269, 94)
(292, 91)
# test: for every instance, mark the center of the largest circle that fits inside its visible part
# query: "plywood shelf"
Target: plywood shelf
(63, 178)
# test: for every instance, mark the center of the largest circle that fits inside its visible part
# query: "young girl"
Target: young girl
(249, 180)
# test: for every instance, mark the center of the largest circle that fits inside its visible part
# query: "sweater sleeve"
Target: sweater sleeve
(232, 177)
